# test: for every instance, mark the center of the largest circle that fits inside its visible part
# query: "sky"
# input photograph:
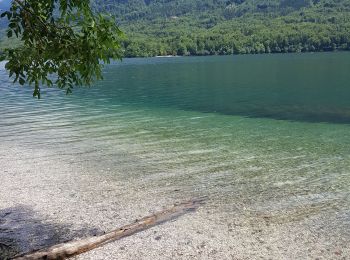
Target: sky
(4, 4)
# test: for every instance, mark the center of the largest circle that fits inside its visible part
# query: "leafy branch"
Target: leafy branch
(63, 43)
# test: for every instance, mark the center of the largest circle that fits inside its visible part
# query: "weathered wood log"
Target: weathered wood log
(72, 248)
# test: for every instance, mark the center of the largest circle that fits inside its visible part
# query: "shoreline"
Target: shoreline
(51, 202)
(237, 54)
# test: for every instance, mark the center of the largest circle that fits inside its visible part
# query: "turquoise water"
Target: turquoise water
(269, 134)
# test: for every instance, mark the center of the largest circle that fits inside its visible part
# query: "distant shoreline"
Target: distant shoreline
(237, 54)
(167, 56)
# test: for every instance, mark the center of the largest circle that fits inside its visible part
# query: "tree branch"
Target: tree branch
(65, 250)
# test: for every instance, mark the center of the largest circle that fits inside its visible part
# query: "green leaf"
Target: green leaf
(67, 46)
(21, 81)
(12, 25)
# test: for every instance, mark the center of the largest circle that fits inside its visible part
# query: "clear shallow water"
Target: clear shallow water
(261, 136)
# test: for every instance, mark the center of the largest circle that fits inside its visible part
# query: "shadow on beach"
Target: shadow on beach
(23, 230)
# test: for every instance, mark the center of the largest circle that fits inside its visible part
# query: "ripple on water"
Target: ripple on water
(263, 169)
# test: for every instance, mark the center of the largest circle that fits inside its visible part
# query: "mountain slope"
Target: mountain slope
(205, 27)
(208, 27)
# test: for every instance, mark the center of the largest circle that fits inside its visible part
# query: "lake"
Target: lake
(266, 138)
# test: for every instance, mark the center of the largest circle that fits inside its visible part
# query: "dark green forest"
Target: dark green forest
(222, 27)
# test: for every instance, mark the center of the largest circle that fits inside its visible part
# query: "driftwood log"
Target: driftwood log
(72, 248)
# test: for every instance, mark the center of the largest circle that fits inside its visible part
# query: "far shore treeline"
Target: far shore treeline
(223, 27)
(220, 27)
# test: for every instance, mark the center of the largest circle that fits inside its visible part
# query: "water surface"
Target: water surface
(263, 136)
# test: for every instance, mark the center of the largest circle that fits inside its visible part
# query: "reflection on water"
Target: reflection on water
(146, 120)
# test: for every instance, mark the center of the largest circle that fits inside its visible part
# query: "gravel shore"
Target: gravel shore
(44, 201)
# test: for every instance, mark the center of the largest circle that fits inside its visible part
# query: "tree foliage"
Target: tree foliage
(220, 27)
(63, 43)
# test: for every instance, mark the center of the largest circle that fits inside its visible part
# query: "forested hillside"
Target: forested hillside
(207, 27)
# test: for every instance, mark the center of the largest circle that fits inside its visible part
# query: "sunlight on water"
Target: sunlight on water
(208, 127)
